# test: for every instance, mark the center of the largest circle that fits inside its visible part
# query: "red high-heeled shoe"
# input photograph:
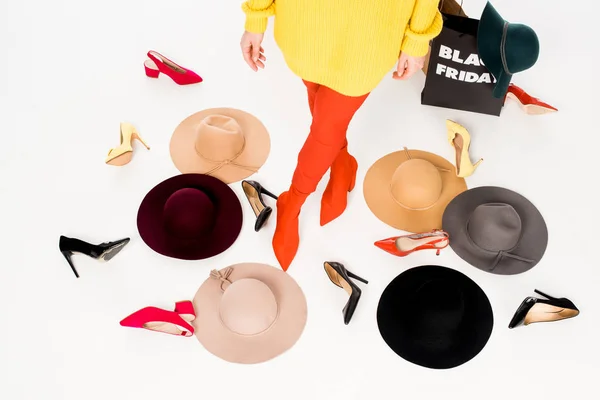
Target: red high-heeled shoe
(158, 63)
(157, 319)
(186, 310)
(402, 246)
(529, 104)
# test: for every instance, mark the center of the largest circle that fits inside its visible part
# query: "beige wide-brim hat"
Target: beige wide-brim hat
(410, 189)
(226, 143)
(249, 313)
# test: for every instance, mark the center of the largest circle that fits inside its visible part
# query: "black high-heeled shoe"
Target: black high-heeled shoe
(340, 276)
(533, 310)
(103, 251)
(254, 191)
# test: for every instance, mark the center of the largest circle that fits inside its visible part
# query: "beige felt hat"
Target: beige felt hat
(226, 143)
(249, 313)
(409, 189)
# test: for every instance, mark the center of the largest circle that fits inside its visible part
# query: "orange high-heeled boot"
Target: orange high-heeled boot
(342, 179)
(332, 113)
(286, 238)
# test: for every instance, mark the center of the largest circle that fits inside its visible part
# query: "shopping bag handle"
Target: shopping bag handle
(460, 7)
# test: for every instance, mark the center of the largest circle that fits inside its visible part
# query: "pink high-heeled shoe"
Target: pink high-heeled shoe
(159, 320)
(158, 63)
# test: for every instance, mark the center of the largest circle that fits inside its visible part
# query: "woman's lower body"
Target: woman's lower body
(326, 147)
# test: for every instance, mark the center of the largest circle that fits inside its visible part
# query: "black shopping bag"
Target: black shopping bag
(456, 77)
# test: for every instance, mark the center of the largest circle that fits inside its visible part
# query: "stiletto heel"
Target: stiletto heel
(534, 310)
(159, 320)
(254, 191)
(358, 278)
(563, 302)
(271, 195)
(186, 310)
(158, 63)
(340, 277)
(121, 155)
(460, 139)
(104, 251)
(68, 255)
(402, 246)
(545, 295)
(548, 296)
(528, 104)
(137, 136)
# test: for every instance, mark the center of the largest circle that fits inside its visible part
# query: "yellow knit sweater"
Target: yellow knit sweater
(347, 45)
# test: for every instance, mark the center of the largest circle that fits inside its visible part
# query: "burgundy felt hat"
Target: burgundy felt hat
(190, 217)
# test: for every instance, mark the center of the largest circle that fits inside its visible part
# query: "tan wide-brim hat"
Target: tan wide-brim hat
(249, 313)
(410, 189)
(226, 143)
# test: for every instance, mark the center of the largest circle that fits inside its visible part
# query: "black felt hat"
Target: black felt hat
(435, 317)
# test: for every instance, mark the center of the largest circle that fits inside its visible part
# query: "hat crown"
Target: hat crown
(494, 227)
(248, 307)
(522, 47)
(441, 310)
(189, 213)
(416, 184)
(219, 138)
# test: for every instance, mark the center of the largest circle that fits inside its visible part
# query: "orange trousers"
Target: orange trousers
(331, 114)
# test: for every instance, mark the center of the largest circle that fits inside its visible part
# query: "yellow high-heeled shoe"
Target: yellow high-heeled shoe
(121, 155)
(459, 138)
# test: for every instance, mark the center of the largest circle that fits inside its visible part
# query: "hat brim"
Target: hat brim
(397, 311)
(376, 189)
(228, 218)
(534, 232)
(281, 335)
(502, 84)
(489, 40)
(256, 149)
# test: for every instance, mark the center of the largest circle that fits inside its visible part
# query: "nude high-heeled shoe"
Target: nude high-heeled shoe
(459, 138)
(121, 155)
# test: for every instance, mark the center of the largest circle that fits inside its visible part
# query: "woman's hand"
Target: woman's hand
(407, 66)
(252, 50)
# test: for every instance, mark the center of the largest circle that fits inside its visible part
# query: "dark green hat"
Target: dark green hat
(505, 48)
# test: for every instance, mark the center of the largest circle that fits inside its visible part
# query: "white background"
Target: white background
(71, 71)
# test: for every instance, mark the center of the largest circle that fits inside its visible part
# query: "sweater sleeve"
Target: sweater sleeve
(425, 24)
(257, 14)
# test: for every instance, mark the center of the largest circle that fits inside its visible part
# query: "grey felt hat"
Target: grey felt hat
(496, 230)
